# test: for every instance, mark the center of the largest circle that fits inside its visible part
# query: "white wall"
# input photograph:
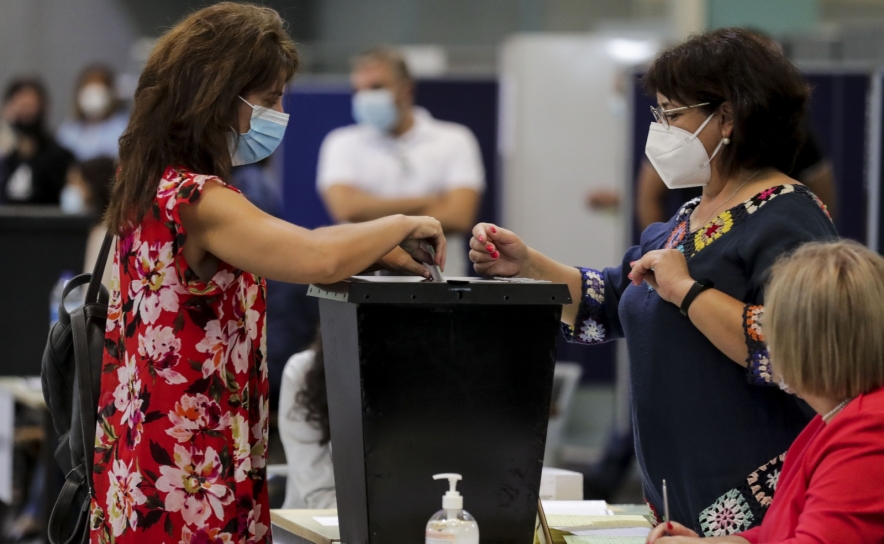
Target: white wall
(54, 39)
(562, 136)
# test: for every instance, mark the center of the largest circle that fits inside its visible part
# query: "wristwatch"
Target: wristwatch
(698, 287)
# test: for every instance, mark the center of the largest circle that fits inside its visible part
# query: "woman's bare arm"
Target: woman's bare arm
(223, 224)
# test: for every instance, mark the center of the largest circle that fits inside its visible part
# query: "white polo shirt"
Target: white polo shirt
(433, 157)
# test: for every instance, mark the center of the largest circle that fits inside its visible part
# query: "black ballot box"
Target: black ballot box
(425, 378)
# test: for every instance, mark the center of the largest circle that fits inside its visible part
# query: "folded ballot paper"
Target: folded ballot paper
(591, 522)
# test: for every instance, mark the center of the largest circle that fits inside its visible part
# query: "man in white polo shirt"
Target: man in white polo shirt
(399, 159)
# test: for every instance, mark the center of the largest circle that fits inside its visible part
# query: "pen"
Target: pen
(665, 505)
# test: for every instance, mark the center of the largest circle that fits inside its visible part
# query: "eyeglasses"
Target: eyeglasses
(662, 116)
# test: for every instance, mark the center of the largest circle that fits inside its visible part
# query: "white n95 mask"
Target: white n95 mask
(377, 108)
(679, 156)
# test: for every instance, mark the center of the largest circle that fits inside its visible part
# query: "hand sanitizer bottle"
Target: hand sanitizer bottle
(452, 524)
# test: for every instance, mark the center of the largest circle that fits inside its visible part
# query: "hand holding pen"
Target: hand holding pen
(669, 528)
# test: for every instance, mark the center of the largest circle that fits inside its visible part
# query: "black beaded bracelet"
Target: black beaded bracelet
(698, 287)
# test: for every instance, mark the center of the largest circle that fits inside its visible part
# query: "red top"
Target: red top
(832, 486)
(181, 440)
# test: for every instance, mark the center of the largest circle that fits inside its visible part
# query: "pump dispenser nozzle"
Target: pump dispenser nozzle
(452, 500)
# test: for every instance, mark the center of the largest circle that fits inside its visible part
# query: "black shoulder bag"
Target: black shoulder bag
(71, 378)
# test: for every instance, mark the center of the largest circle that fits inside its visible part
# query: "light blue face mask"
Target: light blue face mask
(266, 131)
(377, 108)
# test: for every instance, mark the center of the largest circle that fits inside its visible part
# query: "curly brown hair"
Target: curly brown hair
(186, 101)
(312, 399)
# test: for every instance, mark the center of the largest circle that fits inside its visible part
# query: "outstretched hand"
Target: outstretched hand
(496, 251)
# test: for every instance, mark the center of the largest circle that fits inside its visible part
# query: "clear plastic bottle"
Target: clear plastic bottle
(452, 524)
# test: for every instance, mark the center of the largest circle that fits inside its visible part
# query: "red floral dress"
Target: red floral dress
(182, 431)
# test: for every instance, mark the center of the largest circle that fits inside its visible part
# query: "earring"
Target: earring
(725, 140)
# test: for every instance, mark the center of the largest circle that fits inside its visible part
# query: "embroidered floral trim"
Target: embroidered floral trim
(726, 220)
(758, 367)
(590, 327)
(763, 482)
(728, 515)
(744, 506)
(656, 519)
(677, 235)
(714, 230)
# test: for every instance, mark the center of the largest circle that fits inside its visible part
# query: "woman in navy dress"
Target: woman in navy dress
(689, 298)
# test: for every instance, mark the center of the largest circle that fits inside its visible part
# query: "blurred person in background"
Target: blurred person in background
(689, 298)
(99, 116)
(825, 306)
(33, 167)
(305, 432)
(399, 159)
(88, 192)
(181, 444)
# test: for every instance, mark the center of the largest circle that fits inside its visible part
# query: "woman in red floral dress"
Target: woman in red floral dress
(182, 429)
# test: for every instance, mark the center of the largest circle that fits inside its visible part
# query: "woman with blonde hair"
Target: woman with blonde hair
(181, 440)
(823, 321)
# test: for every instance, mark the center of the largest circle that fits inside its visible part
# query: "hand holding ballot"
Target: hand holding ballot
(425, 230)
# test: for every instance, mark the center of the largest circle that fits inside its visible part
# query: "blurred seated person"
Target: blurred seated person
(99, 117)
(399, 159)
(33, 167)
(88, 192)
(822, 321)
(304, 429)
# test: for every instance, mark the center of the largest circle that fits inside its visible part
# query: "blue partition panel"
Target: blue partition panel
(876, 152)
(838, 112)
(314, 113)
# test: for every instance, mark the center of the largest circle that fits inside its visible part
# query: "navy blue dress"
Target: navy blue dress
(716, 431)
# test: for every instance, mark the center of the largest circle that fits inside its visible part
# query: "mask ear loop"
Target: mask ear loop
(697, 133)
(714, 153)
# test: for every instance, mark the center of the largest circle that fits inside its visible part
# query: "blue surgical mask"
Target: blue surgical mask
(377, 108)
(266, 131)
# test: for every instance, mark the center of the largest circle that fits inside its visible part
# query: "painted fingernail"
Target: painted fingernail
(494, 230)
(489, 247)
(481, 239)
(495, 255)
(669, 525)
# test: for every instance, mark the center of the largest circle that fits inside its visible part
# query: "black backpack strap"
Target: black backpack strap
(84, 385)
(65, 509)
(98, 270)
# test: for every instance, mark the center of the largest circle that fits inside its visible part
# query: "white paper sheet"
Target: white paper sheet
(576, 508)
(327, 521)
(620, 531)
